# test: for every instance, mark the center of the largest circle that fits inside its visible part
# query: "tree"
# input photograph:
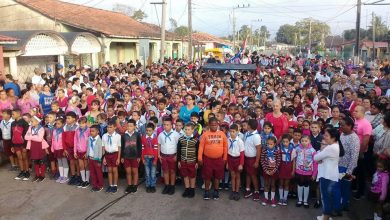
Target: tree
(139, 15)
(124, 9)
(319, 30)
(182, 31)
(173, 24)
(244, 32)
(351, 34)
(380, 29)
(286, 34)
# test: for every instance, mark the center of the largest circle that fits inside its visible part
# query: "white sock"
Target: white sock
(272, 195)
(306, 190)
(66, 171)
(87, 175)
(266, 195)
(61, 170)
(285, 194)
(248, 189)
(281, 196)
(82, 174)
(300, 192)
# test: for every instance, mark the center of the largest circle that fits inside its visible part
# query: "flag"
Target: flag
(236, 57)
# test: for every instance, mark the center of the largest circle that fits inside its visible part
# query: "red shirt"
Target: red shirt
(89, 101)
(280, 124)
(149, 148)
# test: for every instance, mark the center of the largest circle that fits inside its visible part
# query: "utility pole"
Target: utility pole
(357, 43)
(234, 24)
(309, 47)
(252, 35)
(189, 30)
(373, 36)
(163, 20)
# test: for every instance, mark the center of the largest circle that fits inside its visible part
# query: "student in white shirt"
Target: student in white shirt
(167, 148)
(111, 142)
(5, 126)
(235, 161)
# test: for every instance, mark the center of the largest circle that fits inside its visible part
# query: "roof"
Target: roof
(106, 22)
(156, 28)
(367, 43)
(205, 37)
(333, 41)
(7, 40)
(24, 37)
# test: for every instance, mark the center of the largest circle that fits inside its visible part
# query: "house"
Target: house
(104, 36)
(366, 49)
(208, 43)
(5, 40)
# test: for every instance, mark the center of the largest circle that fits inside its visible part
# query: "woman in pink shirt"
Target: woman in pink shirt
(26, 103)
(62, 99)
(4, 102)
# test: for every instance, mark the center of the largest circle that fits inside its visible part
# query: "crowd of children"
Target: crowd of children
(252, 133)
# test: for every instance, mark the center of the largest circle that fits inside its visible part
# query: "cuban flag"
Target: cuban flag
(236, 58)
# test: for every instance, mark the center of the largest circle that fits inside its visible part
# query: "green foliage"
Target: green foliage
(139, 15)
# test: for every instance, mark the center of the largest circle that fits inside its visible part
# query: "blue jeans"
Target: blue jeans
(345, 188)
(330, 196)
(150, 172)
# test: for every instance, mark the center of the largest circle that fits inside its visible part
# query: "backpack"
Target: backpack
(17, 134)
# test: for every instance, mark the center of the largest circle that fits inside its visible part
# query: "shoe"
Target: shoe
(26, 176)
(337, 214)
(273, 203)
(35, 179)
(317, 204)
(299, 204)
(256, 196)
(206, 195)
(56, 176)
(293, 195)
(64, 180)
(280, 202)
(284, 203)
(59, 179)
(248, 194)
(95, 189)
(185, 193)
(191, 193)
(237, 196)
(114, 189)
(306, 205)
(216, 195)
(232, 195)
(41, 179)
(134, 189)
(171, 190)
(20, 176)
(153, 189)
(357, 196)
(226, 186)
(148, 189)
(321, 217)
(108, 190)
(71, 180)
(165, 190)
(128, 189)
(77, 181)
(346, 209)
(85, 185)
(264, 201)
(79, 184)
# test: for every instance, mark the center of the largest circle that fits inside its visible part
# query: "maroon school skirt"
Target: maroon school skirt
(36, 151)
(285, 170)
(58, 153)
(7, 145)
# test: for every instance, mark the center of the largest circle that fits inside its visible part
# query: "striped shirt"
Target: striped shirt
(187, 149)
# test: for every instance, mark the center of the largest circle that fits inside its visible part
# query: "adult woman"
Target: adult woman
(328, 175)
(45, 99)
(382, 143)
(278, 119)
(62, 99)
(348, 162)
(335, 119)
(95, 111)
(26, 102)
(185, 111)
(297, 103)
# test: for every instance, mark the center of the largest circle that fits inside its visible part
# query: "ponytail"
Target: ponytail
(334, 133)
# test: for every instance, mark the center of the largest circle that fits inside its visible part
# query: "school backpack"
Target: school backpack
(17, 134)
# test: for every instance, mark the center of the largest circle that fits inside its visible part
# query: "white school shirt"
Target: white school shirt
(114, 145)
(5, 127)
(235, 147)
(251, 140)
(168, 141)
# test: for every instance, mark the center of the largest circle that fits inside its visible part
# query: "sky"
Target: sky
(215, 16)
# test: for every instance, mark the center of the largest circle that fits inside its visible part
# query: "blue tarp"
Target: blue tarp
(229, 66)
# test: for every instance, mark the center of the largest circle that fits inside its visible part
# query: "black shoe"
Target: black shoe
(71, 180)
(134, 188)
(148, 189)
(185, 193)
(85, 185)
(216, 195)
(152, 189)
(226, 186)
(306, 205)
(231, 196)
(166, 189)
(41, 179)
(237, 196)
(299, 204)
(114, 189)
(26, 176)
(94, 189)
(206, 195)
(171, 190)
(108, 190)
(128, 189)
(35, 179)
(317, 204)
(191, 193)
(79, 184)
(77, 181)
(346, 209)
(20, 176)
(357, 196)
